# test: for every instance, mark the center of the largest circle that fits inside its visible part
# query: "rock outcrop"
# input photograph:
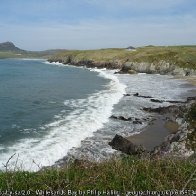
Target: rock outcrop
(125, 146)
(160, 67)
(180, 143)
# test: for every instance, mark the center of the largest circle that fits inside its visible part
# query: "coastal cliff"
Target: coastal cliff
(179, 60)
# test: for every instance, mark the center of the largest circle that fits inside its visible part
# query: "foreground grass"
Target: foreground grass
(125, 174)
(183, 56)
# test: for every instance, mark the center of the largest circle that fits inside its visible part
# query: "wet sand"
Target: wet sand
(155, 133)
(190, 79)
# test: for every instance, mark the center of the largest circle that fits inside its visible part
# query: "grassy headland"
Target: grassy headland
(182, 56)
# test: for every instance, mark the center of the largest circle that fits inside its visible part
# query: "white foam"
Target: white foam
(55, 63)
(161, 87)
(62, 65)
(68, 131)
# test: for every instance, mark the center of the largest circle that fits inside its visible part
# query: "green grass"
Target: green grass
(191, 118)
(183, 56)
(125, 174)
(26, 54)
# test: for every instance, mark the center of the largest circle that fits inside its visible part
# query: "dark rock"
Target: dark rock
(175, 138)
(137, 122)
(121, 118)
(115, 117)
(137, 95)
(187, 73)
(191, 99)
(125, 146)
(160, 110)
(156, 100)
(175, 101)
(127, 94)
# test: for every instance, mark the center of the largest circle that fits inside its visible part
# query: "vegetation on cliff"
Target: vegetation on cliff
(191, 118)
(183, 56)
(125, 174)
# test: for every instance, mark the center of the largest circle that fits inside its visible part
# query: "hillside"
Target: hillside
(153, 57)
(9, 46)
(9, 50)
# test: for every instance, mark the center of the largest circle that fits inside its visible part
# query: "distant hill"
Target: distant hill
(9, 50)
(9, 46)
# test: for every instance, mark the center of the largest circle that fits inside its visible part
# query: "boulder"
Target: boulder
(131, 71)
(137, 95)
(122, 144)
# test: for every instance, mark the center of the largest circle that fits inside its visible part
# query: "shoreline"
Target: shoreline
(157, 131)
(147, 136)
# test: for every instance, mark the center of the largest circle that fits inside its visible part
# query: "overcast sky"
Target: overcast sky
(90, 24)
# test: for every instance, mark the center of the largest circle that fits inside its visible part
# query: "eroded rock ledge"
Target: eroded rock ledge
(180, 144)
(161, 67)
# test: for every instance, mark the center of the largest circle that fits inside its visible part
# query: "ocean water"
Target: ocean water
(52, 112)
(46, 109)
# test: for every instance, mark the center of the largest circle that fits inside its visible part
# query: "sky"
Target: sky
(92, 24)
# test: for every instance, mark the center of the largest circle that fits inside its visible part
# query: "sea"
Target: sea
(50, 111)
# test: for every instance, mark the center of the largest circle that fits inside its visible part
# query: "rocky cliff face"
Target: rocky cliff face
(161, 67)
(113, 64)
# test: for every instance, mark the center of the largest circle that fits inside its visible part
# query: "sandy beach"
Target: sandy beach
(156, 132)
